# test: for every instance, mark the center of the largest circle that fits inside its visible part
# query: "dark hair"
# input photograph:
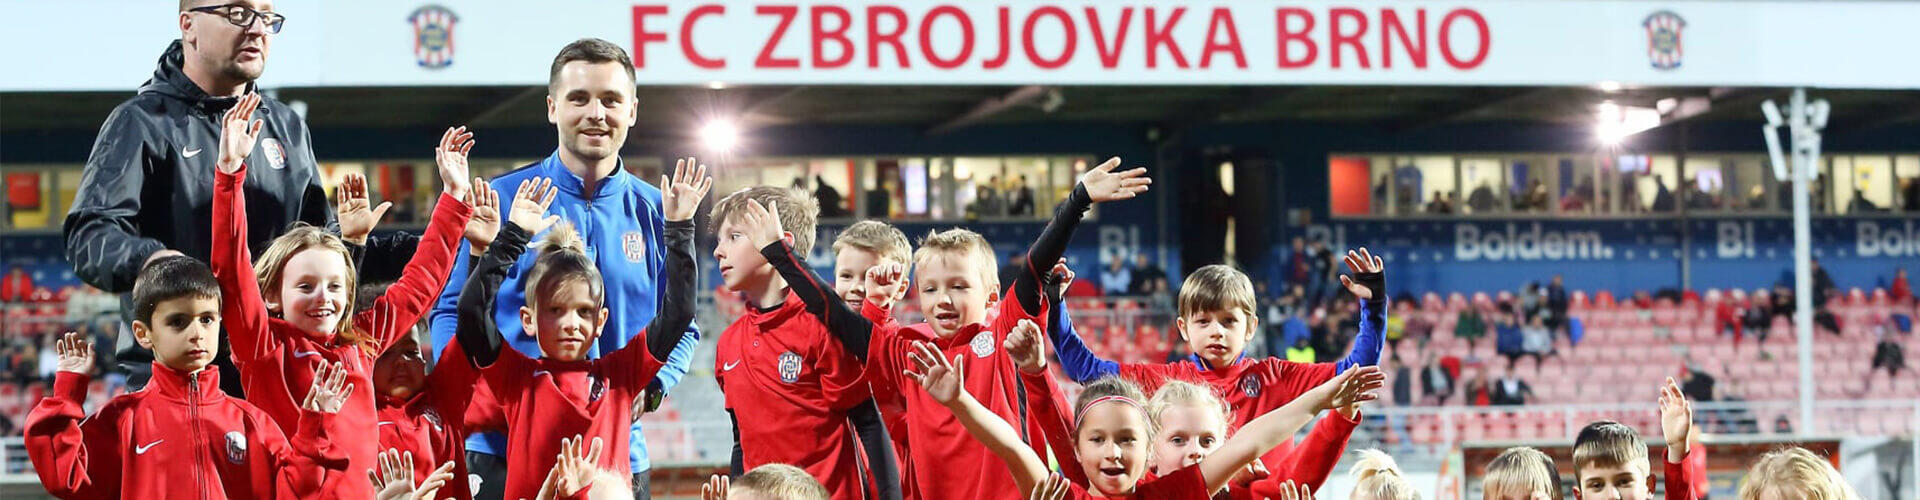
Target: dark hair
(169, 278)
(593, 51)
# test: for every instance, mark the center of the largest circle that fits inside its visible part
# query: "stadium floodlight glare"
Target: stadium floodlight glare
(719, 135)
(1609, 86)
(1616, 122)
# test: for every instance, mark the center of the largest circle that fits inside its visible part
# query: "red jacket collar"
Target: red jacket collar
(201, 386)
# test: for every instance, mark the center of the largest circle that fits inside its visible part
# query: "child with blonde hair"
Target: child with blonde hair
(1377, 477)
(1795, 473)
(1521, 473)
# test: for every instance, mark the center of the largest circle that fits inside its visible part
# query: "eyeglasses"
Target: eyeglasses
(243, 17)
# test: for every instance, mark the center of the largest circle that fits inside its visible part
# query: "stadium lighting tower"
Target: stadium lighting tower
(1803, 121)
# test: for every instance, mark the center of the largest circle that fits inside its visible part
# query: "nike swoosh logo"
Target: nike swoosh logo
(305, 354)
(190, 153)
(142, 450)
(729, 366)
(386, 423)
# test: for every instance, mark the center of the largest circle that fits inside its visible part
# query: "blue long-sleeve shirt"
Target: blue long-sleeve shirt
(1083, 366)
(624, 230)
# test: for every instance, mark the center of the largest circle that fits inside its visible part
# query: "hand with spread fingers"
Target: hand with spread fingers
(451, 157)
(1054, 488)
(886, 284)
(330, 388)
(392, 475)
(941, 378)
(356, 213)
(1361, 262)
(484, 224)
(716, 488)
(680, 194)
(530, 202)
(1104, 185)
(238, 134)
(1676, 420)
(76, 354)
(760, 223)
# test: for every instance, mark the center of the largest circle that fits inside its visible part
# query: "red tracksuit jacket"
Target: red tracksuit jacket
(276, 359)
(431, 423)
(180, 437)
(790, 385)
(1252, 387)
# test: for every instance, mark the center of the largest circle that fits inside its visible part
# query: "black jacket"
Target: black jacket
(148, 185)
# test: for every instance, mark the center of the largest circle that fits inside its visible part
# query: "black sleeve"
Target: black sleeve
(474, 328)
(388, 255)
(358, 254)
(736, 465)
(675, 311)
(847, 325)
(1052, 244)
(879, 447)
(103, 238)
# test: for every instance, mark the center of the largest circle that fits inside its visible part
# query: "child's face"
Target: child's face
(1217, 336)
(1619, 482)
(566, 322)
(1188, 433)
(400, 372)
(185, 333)
(850, 274)
(313, 291)
(742, 268)
(1112, 446)
(952, 293)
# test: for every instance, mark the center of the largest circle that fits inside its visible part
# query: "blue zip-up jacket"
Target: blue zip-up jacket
(623, 228)
(1083, 366)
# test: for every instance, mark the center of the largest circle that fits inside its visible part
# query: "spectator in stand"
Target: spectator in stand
(1532, 301)
(1436, 382)
(1912, 194)
(1509, 390)
(1823, 287)
(1475, 388)
(1300, 352)
(1557, 304)
(1115, 278)
(1887, 354)
(17, 285)
(1402, 381)
(1439, 204)
(1901, 291)
(1482, 199)
(1419, 328)
(1320, 277)
(1397, 325)
(1782, 301)
(1148, 279)
(1642, 300)
(1470, 326)
(1727, 320)
(1697, 384)
(1022, 198)
(1757, 317)
(1536, 340)
(1297, 266)
(1507, 339)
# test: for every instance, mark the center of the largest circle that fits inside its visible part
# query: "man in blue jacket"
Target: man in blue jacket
(590, 101)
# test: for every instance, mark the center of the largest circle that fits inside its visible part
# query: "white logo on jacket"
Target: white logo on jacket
(982, 344)
(276, 155)
(236, 447)
(789, 367)
(635, 245)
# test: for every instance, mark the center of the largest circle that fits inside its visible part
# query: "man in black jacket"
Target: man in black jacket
(148, 184)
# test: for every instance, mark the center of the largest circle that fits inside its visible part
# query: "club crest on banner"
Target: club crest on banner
(433, 36)
(1663, 39)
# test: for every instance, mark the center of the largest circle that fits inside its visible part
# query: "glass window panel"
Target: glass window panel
(1482, 179)
(1906, 169)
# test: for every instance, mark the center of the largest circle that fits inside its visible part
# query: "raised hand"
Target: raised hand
(1290, 491)
(680, 195)
(1361, 262)
(574, 469)
(238, 132)
(451, 157)
(761, 223)
(484, 225)
(357, 215)
(1023, 345)
(1066, 277)
(392, 475)
(429, 488)
(1355, 386)
(886, 284)
(330, 388)
(1104, 185)
(1254, 471)
(1676, 420)
(530, 202)
(941, 378)
(76, 354)
(716, 488)
(1054, 488)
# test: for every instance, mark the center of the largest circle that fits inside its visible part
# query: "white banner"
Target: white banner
(106, 45)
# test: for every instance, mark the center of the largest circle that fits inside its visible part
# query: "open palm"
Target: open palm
(680, 194)
(1103, 184)
(941, 379)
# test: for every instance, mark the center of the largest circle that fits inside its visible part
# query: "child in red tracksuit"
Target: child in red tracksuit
(562, 393)
(424, 413)
(1610, 460)
(958, 283)
(294, 311)
(1111, 430)
(795, 395)
(180, 437)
